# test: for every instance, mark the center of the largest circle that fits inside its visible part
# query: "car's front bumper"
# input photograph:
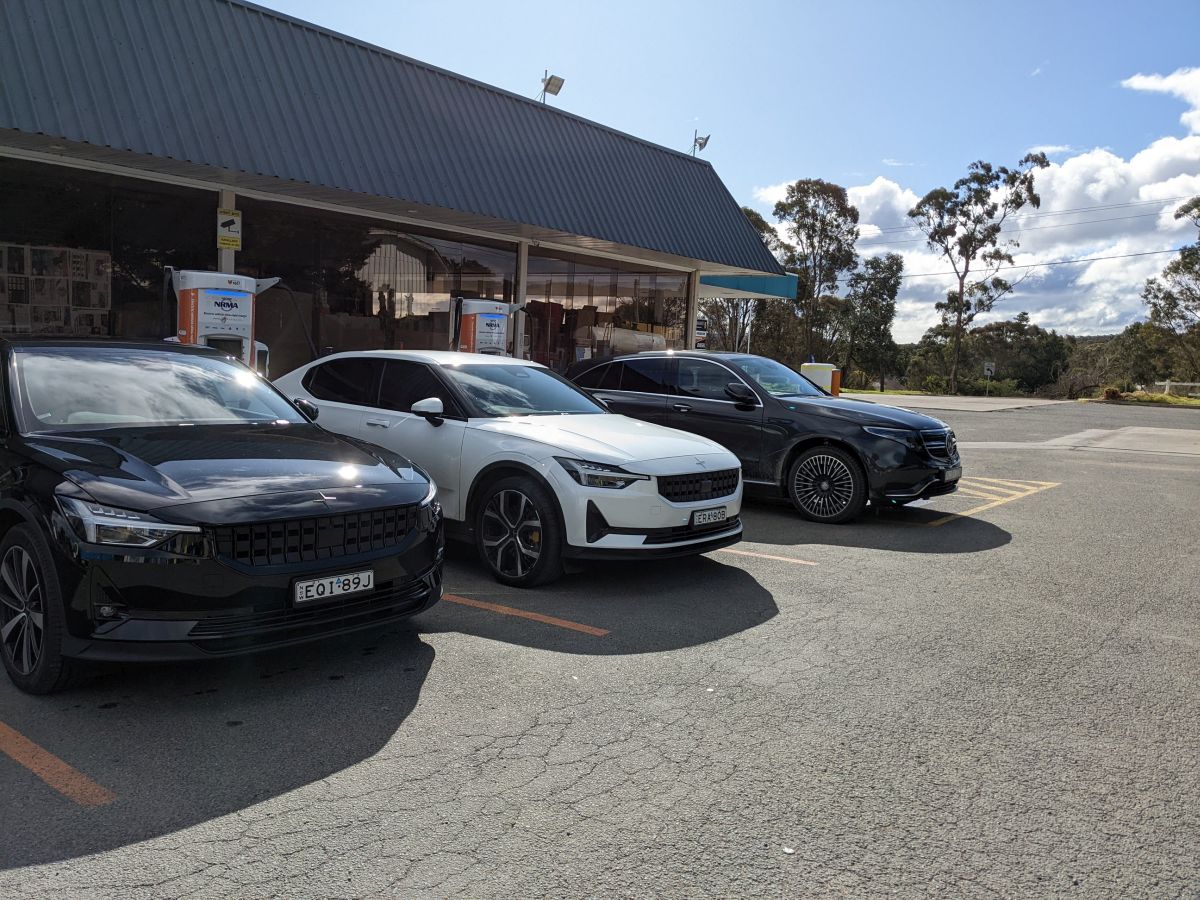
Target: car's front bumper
(639, 522)
(155, 605)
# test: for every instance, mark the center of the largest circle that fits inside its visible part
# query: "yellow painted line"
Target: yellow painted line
(972, 492)
(1015, 482)
(65, 779)
(526, 614)
(986, 506)
(788, 559)
(994, 488)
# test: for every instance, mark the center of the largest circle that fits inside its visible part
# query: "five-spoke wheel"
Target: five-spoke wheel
(31, 614)
(826, 484)
(517, 532)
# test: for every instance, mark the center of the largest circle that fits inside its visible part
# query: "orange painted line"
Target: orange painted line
(526, 614)
(68, 781)
(799, 562)
(978, 509)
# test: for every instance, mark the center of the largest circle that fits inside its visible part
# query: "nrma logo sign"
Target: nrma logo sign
(226, 304)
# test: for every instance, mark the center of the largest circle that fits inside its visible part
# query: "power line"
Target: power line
(1059, 262)
(1059, 212)
(1023, 230)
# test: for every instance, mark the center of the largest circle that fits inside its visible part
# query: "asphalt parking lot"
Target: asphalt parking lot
(994, 693)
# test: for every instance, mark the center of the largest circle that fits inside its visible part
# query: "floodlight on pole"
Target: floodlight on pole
(551, 84)
(699, 143)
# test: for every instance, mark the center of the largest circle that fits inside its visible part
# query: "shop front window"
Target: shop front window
(83, 253)
(353, 283)
(581, 308)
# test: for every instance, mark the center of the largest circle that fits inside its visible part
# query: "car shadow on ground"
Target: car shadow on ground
(182, 744)
(647, 607)
(903, 529)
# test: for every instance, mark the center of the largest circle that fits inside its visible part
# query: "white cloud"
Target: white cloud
(1182, 83)
(1036, 72)
(772, 193)
(1051, 149)
(1094, 203)
(895, 163)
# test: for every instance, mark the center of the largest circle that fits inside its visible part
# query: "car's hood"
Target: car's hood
(149, 468)
(604, 437)
(864, 411)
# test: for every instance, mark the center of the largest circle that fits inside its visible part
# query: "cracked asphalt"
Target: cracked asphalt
(1005, 704)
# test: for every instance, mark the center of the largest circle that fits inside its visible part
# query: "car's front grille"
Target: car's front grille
(310, 540)
(698, 486)
(940, 443)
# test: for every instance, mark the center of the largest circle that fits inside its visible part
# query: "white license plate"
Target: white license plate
(952, 474)
(708, 516)
(316, 589)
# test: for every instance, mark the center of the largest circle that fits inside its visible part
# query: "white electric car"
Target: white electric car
(528, 466)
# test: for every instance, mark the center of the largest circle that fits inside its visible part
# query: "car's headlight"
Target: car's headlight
(905, 436)
(99, 524)
(431, 494)
(599, 475)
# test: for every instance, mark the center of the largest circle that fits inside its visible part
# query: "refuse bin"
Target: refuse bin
(819, 373)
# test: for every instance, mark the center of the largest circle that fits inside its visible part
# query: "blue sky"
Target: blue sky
(907, 92)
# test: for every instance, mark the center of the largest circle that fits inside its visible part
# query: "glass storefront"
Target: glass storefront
(579, 308)
(83, 253)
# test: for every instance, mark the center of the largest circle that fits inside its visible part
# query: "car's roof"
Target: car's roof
(436, 357)
(159, 346)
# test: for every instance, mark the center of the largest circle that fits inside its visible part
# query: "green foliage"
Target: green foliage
(1174, 298)
(822, 226)
(864, 318)
(963, 225)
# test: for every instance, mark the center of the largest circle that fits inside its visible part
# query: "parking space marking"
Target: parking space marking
(1001, 491)
(526, 614)
(65, 779)
(788, 559)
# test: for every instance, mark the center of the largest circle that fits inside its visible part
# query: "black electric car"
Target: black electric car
(828, 455)
(164, 503)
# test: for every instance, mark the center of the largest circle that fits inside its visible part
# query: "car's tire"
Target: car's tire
(32, 618)
(518, 532)
(826, 484)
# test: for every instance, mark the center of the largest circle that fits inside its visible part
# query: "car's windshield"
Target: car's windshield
(508, 390)
(776, 378)
(82, 388)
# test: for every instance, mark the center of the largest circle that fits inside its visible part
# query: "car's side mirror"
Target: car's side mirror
(309, 409)
(430, 409)
(739, 393)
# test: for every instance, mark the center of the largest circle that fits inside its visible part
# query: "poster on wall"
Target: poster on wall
(54, 290)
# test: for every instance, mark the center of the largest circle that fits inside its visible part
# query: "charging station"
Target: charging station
(217, 310)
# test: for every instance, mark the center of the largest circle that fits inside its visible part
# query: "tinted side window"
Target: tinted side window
(593, 377)
(351, 380)
(648, 376)
(702, 379)
(405, 382)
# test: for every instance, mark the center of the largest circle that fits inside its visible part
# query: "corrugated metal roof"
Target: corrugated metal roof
(233, 86)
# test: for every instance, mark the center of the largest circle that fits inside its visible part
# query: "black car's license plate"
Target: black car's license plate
(709, 516)
(318, 590)
(952, 474)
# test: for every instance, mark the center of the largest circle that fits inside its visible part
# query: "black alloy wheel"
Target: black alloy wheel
(518, 534)
(31, 614)
(826, 484)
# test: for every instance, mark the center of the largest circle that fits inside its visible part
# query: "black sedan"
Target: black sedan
(161, 503)
(828, 455)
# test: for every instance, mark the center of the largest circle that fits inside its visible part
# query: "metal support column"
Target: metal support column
(226, 259)
(518, 317)
(693, 306)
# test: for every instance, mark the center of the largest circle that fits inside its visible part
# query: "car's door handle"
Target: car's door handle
(682, 407)
(380, 423)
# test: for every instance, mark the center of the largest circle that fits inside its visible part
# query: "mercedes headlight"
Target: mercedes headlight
(99, 524)
(599, 475)
(905, 436)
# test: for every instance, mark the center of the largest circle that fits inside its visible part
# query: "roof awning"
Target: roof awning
(754, 287)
